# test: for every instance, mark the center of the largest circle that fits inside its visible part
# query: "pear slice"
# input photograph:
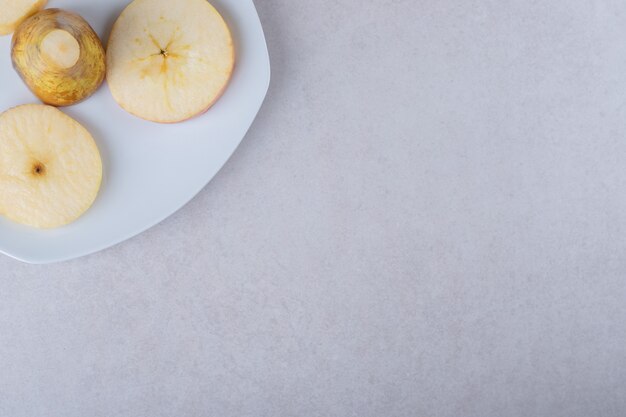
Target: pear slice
(168, 61)
(59, 57)
(13, 12)
(50, 167)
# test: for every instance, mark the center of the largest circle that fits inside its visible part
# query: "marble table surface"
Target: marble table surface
(426, 219)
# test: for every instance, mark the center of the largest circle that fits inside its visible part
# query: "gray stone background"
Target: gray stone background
(426, 219)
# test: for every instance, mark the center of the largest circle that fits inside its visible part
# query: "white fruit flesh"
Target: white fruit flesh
(168, 61)
(60, 49)
(50, 167)
(13, 12)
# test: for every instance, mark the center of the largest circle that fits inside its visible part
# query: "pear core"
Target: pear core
(60, 49)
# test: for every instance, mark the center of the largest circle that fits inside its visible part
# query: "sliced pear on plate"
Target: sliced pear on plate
(13, 12)
(50, 167)
(59, 57)
(168, 61)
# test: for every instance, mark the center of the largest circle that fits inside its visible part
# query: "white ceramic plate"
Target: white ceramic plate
(151, 170)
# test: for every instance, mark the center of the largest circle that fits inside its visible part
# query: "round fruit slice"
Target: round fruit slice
(59, 57)
(168, 61)
(13, 12)
(50, 167)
